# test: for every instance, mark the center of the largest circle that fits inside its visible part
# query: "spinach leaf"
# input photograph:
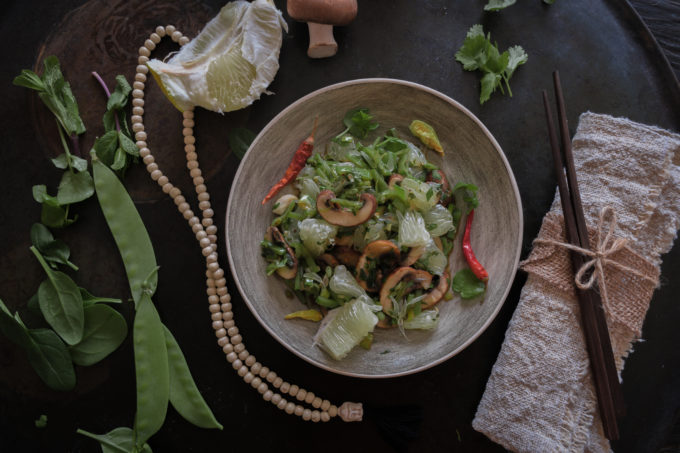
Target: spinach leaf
(466, 283)
(89, 299)
(104, 330)
(50, 359)
(240, 139)
(46, 352)
(61, 303)
(119, 440)
(75, 187)
(106, 146)
(53, 250)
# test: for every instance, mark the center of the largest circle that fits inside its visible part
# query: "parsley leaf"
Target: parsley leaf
(479, 53)
(497, 5)
(359, 122)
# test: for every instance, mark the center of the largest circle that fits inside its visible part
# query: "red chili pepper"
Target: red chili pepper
(298, 163)
(475, 265)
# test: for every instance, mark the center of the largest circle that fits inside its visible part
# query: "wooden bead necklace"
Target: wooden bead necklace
(228, 338)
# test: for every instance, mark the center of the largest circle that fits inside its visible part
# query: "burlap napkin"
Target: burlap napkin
(540, 395)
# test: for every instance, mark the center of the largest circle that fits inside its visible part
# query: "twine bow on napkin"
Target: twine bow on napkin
(601, 255)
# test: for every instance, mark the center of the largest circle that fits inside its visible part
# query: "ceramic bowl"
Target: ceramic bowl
(472, 155)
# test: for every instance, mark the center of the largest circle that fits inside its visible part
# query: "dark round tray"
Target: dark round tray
(608, 61)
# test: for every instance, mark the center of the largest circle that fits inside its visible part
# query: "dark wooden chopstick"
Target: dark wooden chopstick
(615, 385)
(598, 344)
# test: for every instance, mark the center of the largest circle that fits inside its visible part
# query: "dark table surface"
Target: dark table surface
(608, 62)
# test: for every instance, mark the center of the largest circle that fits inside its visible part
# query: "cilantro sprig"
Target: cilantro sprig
(479, 53)
(359, 122)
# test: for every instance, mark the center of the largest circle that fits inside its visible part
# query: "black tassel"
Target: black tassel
(398, 425)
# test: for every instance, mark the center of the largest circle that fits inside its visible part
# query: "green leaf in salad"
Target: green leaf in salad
(469, 192)
(466, 283)
(359, 122)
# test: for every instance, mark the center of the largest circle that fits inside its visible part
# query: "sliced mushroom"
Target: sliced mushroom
(413, 255)
(394, 178)
(346, 255)
(344, 217)
(374, 250)
(421, 277)
(287, 273)
(329, 259)
(438, 292)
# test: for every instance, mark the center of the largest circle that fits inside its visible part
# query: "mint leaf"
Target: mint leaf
(466, 283)
(240, 139)
(497, 5)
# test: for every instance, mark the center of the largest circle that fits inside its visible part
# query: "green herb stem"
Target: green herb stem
(65, 145)
(108, 94)
(41, 260)
(346, 203)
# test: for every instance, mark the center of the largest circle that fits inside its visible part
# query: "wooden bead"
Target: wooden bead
(276, 398)
(309, 398)
(149, 44)
(190, 140)
(248, 377)
(160, 31)
(271, 376)
(236, 339)
(183, 41)
(250, 361)
(145, 152)
(229, 324)
(137, 127)
(262, 388)
(144, 52)
(240, 348)
(142, 59)
(214, 307)
(333, 410)
(264, 371)
(176, 35)
(285, 387)
(299, 410)
(216, 317)
(307, 415)
(226, 306)
(316, 416)
(188, 122)
(179, 199)
(203, 196)
(163, 180)
(325, 417)
(255, 383)
(325, 405)
(278, 382)
(226, 299)
(218, 274)
(140, 136)
(282, 404)
(292, 391)
(222, 341)
(195, 173)
(169, 29)
(217, 325)
(155, 38)
(316, 403)
(198, 180)
(142, 69)
(256, 367)
(137, 85)
(188, 114)
(228, 348)
(243, 371)
(243, 355)
(211, 229)
(220, 333)
(138, 102)
(189, 148)
(167, 187)
(231, 357)
(204, 206)
(148, 160)
(301, 394)
(236, 364)
(140, 77)
(268, 395)
(290, 408)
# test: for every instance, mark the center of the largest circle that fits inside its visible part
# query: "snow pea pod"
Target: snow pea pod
(151, 369)
(184, 395)
(127, 228)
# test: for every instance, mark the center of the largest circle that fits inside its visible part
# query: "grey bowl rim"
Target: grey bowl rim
(515, 189)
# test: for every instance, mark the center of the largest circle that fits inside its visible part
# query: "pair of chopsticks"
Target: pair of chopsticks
(598, 343)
